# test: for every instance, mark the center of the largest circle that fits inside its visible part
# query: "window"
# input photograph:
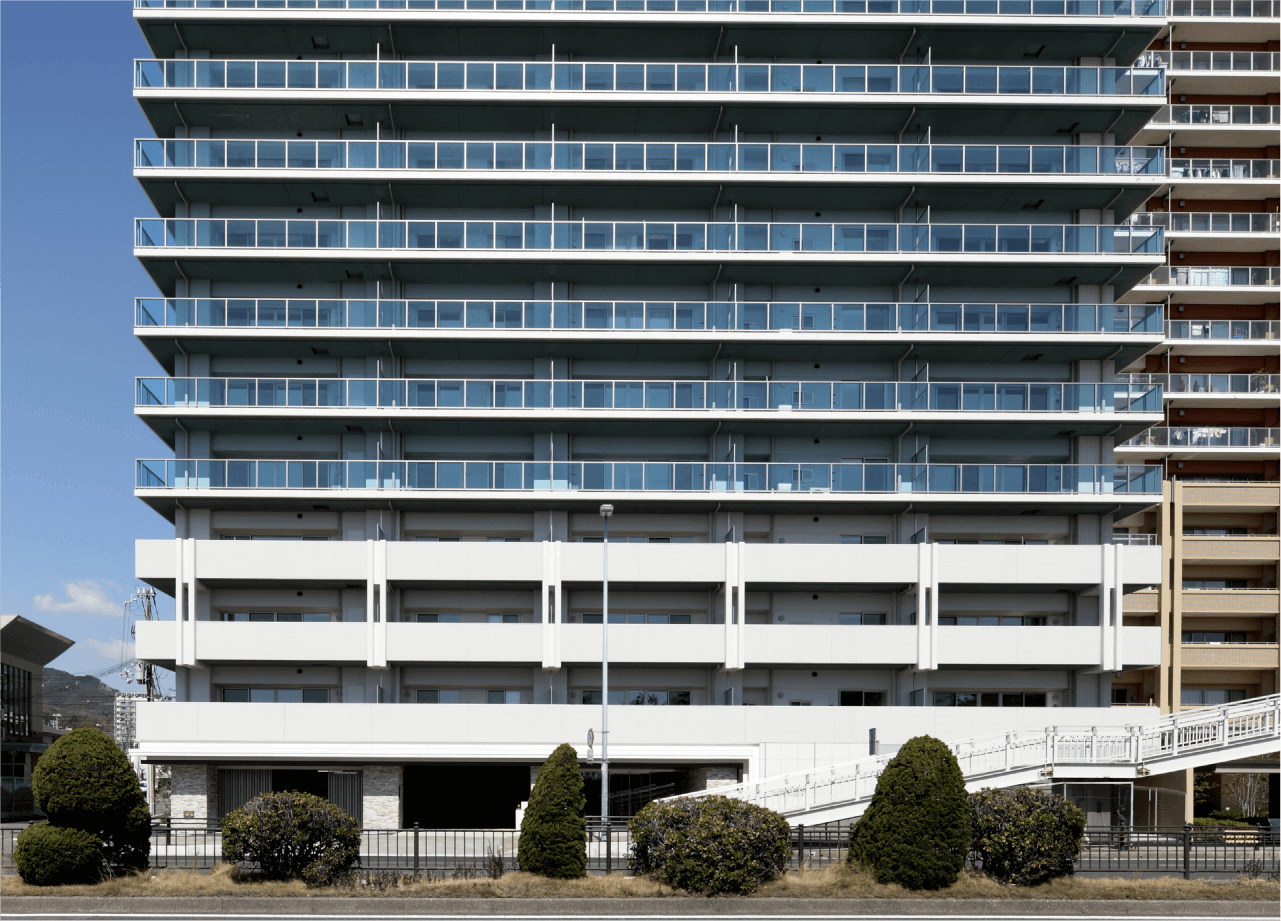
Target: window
(916, 699)
(502, 618)
(17, 701)
(987, 699)
(273, 537)
(990, 620)
(436, 697)
(863, 539)
(1120, 696)
(283, 617)
(503, 540)
(1215, 532)
(864, 620)
(276, 695)
(801, 703)
(862, 699)
(503, 697)
(640, 697)
(1214, 583)
(441, 540)
(1197, 636)
(1210, 697)
(640, 618)
(440, 618)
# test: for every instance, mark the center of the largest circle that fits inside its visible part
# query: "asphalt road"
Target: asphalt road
(967, 909)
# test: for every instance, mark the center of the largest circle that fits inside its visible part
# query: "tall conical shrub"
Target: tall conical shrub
(84, 781)
(916, 832)
(553, 835)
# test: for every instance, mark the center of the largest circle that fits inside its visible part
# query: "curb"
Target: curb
(393, 905)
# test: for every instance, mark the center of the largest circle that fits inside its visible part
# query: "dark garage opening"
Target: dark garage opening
(464, 795)
(313, 782)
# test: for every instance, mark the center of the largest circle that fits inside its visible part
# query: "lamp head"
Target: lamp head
(606, 511)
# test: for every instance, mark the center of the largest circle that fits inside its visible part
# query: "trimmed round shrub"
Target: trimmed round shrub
(1025, 837)
(710, 844)
(292, 836)
(85, 781)
(916, 831)
(47, 855)
(553, 834)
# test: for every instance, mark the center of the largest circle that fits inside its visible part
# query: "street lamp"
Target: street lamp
(605, 512)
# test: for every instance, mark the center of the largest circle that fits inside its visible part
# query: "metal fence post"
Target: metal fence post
(609, 848)
(415, 847)
(1187, 851)
(800, 848)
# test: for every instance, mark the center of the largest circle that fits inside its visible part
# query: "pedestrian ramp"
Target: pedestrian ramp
(1242, 729)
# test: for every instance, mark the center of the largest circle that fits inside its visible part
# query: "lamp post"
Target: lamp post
(605, 512)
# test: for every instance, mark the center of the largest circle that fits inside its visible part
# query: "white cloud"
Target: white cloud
(110, 651)
(87, 597)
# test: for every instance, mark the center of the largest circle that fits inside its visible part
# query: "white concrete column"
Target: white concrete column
(1117, 552)
(370, 583)
(378, 651)
(734, 597)
(179, 599)
(741, 661)
(926, 607)
(191, 607)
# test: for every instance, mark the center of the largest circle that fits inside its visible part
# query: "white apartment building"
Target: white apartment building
(823, 296)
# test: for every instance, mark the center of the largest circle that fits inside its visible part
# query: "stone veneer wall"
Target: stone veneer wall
(381, 806)
(709, 778)
(193, 797)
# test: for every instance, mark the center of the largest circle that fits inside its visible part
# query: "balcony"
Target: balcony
(1243, 331)
(503, 78)
(1262, 548)
(279, 316)
(473, 644)
(1231, 602)
(644, 644)
(1223, 9)
(1232, 655)
(1002, 241)
(1225, 169)
(1195, 284)
(1212, 61)
(1231, 496)
(823, 645)
(1211, 390)
(428, 396)
(1215, 439)
(541, 159)
(541, 480)
(1065, 647)
(1222, 231)
(978, 8)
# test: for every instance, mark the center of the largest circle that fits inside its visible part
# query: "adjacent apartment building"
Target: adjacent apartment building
(25, 649)
(1218, 445)
(827, 298)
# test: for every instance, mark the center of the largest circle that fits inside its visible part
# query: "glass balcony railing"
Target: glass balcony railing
(1211, 60)
(1206, 168)
(1224, 9)
(1019, 319)
(870, 7)
(1174, 384)
(651, 236)
(608, 77)
(1206, 436)
(1223, 329)
(1223, 115)
(1207, 221)
(801, 396)
(658, 158)
(1213, 276)
(649, 476)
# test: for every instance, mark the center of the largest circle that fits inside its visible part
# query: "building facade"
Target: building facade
(25, 649)
(1218, 609)
(825, 300)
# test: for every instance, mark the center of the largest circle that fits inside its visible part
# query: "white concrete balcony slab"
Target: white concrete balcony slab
(697, 564)
(474, 644)
(830, 564)
(1043, 565)
(1067, 647)
(645, 644)
(814, 644)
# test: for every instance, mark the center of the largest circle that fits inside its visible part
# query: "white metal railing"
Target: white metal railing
(1211, 60)
(1223, 168)
(1212, 731)
(1175, 384)
(1207, 221)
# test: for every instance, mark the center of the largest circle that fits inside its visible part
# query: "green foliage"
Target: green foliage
(553, 834)
(710, 845)
(85, 781)
(916, 832)
(1211, 822)
(292, 836)
(1025, 837)
(47, 855)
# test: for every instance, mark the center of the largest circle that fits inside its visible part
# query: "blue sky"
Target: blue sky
(68, 518)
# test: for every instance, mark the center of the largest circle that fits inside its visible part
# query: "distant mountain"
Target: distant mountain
(81, 700)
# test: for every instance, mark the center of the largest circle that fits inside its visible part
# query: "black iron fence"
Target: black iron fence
(1185, 851)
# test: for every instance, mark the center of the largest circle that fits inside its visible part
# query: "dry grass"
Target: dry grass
(833, 883)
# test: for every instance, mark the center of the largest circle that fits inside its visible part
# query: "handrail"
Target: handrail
(590, 316)
(1104, 8)
(1224, 115)
(1224, 168)
(986, 758)
(1232, 330)
(1206, 436)
(1215, 62)
(1207, 221)
(652, 476)
(409, 394)
(1208, 384)
(963, 81)
(647, 156)
(1214, 275)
